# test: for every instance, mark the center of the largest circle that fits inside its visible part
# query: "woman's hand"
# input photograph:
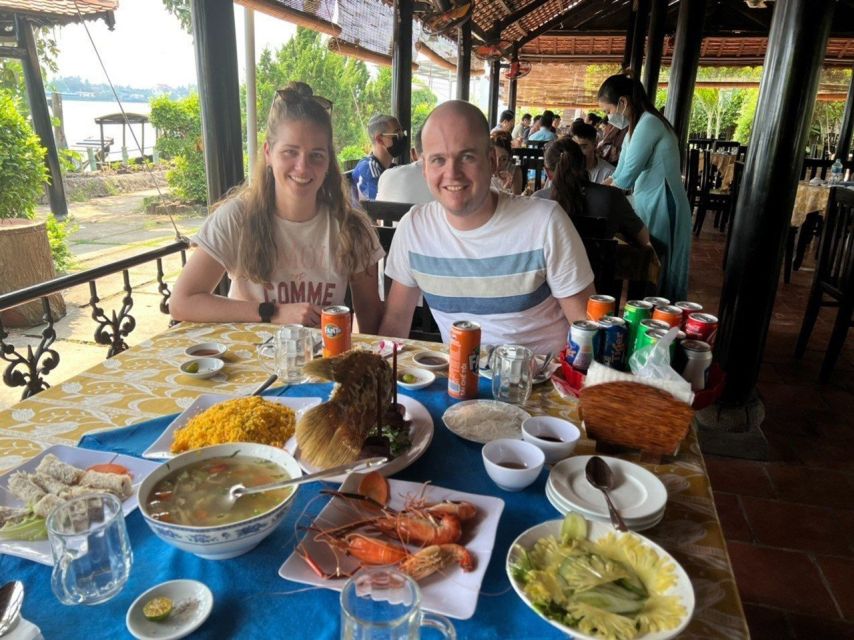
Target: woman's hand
(608, 182)
(302, 313)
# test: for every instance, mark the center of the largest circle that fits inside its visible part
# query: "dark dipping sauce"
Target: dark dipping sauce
(432, 361)
(204, 352)
(549, 438)
(512, 465)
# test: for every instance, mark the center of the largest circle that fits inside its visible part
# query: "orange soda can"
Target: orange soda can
(336, 328)
(465, 355)
(599, 306)
(670, 314)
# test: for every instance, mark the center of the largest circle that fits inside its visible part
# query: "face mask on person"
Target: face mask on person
(398, 146)
(618, 119)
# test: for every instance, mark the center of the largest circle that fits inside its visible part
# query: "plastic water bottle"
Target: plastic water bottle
(836, 172)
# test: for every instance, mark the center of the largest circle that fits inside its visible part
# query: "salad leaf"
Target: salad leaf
(574, 527)
(584, 572)
(29, 528)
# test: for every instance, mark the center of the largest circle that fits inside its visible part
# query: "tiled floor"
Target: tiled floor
(789, 521)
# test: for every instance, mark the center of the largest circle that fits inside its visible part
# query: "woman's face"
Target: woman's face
(610, 108)
(299, 158)
(502, 158)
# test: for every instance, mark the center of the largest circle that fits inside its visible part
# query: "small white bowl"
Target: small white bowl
(192, 603)
(206, 367)
(206, 350)
(512, 464)
(423, 378)
(431, 360)
(557, 438)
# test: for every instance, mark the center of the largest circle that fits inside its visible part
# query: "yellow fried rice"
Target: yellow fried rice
(251, 419)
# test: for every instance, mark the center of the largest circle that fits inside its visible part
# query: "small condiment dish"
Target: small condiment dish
(201, 368)
(431, 360)
(415, 378)
(206, 350)
(512, 464)
(192, 602)
(557, 438)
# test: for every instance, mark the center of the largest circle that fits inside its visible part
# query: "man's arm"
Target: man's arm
(399, 307)
(575, 307)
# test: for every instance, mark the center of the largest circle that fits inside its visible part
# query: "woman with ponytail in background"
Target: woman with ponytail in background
(649, 167)
(566, 167)
(290, 241)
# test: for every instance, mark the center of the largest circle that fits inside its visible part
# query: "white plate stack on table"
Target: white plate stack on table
(638, 494)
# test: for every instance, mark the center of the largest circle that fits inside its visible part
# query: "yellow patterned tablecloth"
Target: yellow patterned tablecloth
(144, 383)
(809, 198)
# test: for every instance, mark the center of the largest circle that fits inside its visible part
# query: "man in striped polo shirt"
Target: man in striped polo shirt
(515, 265)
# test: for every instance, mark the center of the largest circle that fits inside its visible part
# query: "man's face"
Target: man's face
(586, 145)
(526, 122)
(458, 163)
(509, 124)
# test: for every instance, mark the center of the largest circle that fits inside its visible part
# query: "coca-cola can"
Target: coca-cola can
(702, 326)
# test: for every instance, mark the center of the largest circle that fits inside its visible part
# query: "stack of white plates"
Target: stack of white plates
(638, 495)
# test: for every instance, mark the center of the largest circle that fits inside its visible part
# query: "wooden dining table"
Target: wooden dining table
(145, 383)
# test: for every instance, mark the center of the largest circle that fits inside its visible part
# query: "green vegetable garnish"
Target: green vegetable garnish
(29, 528)
(408, 378)
(574, 527)
(193, 367)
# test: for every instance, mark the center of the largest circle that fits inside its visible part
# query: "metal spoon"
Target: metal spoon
(237, 491)
(547, 360)
(265, 385)
(599, 475)
(11, 599)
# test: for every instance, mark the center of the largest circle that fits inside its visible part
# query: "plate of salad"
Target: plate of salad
(595, 583)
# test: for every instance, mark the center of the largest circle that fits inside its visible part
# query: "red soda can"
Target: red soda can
(465, 354)
(687, 309)
(701, 326)
(670, 314)
(599, 306)
(657, 301)
(336, 329)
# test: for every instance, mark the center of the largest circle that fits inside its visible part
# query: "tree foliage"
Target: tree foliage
(179, 139)
(23, 173)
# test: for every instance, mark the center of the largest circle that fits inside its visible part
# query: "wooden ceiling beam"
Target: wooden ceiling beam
(550, 24)
(515, 16)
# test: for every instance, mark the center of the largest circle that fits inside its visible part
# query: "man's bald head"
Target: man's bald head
(465, 114)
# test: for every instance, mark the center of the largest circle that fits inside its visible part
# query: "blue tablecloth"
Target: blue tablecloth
(250, 599)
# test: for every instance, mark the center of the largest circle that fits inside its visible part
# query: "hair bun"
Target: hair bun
(302, 89)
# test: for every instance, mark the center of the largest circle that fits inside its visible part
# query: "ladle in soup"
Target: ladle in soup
(239, 490)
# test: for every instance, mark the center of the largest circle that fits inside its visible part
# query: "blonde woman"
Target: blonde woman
(290, 241)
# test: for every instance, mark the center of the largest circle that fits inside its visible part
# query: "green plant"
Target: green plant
(22, 169)
(57, 235)
(179, 139)
(351, 152)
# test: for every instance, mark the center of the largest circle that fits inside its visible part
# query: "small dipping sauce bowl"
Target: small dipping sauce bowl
(512, 464)
(201, 368)
(555, 437)
(206, 350)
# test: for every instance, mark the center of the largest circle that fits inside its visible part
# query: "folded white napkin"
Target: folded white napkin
(24, 630)
(599, 374)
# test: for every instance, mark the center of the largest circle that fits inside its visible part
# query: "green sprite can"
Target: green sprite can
(654, 335)
(643, 339)
(634, 312)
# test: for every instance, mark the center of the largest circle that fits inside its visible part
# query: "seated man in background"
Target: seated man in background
(388, 140)
(406, 183)
(505, 122)
(520, 131)
(546, 131)
(584, 135)
(515, 265)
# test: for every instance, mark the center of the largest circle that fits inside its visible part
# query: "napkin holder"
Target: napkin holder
(635, 415)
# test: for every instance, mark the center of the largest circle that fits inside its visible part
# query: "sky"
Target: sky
(147, 47)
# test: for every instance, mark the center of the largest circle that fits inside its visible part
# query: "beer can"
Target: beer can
(635, 311)
(654, 335)
(465, 354)
(613, 342)
(657, 301)
(687, 309)
(698, 359)
(671, 314)
(645, 326)
(583, 344)
(336, 329)
(702, 326)
(599, 306)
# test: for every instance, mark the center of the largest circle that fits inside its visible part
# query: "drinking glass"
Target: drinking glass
(383, 603)
(288, 353)
(512, 370)
(91, 552)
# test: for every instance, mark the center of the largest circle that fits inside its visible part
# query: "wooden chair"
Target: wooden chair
(384, 212)
(726, 146)
(711, 197)
(531, 159)
(834, 277)
(701, 144)
(692, 177)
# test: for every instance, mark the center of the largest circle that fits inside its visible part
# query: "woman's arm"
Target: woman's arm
(637, 155)
(366, 299)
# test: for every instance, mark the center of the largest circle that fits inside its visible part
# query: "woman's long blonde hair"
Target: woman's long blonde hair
(257, 248)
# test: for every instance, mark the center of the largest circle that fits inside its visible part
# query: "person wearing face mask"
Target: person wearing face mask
(649, 167)
(388, 141)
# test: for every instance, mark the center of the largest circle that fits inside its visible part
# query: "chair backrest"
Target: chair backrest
(349, 165)
(815, 168)
(835, 268)
(742, 153)
(701, 143)
(726, 146)
(387, 213)
(531, 159)
(350, 187)
(692, 175)
(602, 254)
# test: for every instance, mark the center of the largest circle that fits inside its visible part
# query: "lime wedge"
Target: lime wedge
(157, 609)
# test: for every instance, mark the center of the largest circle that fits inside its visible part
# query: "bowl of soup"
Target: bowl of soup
(182, 501)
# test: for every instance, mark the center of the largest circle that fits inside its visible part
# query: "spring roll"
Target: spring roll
(11, 514)
(56, 468)
(25, 489)
(117, 484)
(48, 483)
(44, 506)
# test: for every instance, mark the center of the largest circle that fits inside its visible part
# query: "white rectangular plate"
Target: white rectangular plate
(449, 592)
(39, 550)
(159, 450)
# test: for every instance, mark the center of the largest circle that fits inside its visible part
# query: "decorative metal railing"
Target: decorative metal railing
(29, 370)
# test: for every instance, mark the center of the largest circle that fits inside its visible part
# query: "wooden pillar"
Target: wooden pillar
(630, 34)
(654, 47)
(464, 61)
(401, 70)
(511, 84)
(494, 79)
(683, 68)
(219, 93)
(41, 116)
(843, 146)
(639, 37)
(796, 48)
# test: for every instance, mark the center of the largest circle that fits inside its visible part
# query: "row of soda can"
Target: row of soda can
(610, 340)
